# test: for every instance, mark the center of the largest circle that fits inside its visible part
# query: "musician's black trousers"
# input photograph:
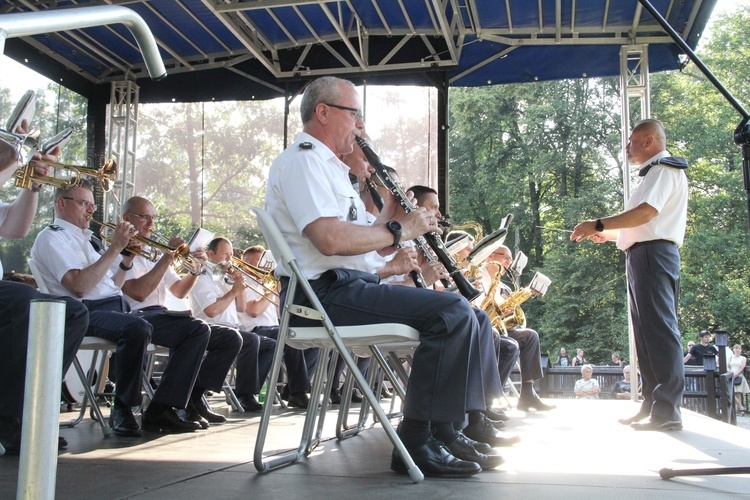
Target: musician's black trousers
(455, 351)
(253, 363)
(185, 336)
(15, 303)
(653, 281)
(530, 355)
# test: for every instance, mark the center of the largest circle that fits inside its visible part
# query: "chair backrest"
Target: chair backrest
(34, 268)
(275, 240)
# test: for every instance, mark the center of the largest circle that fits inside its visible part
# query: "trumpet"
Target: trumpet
(26, 176)
(261, 275)
(181, 258)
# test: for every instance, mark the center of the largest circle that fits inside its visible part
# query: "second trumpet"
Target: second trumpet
(262, 276)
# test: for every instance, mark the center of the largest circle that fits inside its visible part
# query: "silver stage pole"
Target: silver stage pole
(37, 471)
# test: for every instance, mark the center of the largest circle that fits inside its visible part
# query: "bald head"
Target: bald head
(646, 140)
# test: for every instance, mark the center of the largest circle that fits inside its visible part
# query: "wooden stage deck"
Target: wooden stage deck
(578, 450)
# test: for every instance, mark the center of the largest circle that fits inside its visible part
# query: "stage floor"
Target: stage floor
(579, 450)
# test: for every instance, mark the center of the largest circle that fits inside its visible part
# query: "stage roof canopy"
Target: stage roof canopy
(255, 49)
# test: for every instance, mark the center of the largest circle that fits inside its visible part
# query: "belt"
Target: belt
(649, 242)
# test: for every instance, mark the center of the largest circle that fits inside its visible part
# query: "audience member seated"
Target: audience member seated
(579, 360)
(69, 265)
(218, 302)
(702, 349)
(563, 359)
(622, 388)
(587, 387)
(145, 288)
(261, 316)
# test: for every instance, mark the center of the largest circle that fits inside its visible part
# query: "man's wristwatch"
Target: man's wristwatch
(395, 228)
(599, 225)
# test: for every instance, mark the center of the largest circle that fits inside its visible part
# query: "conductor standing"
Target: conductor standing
(650, 232)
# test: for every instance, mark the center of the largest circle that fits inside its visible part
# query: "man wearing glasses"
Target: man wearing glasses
(146, 286)
(70, 266)
(310, 196)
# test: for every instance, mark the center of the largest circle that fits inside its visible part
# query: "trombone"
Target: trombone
(261, 275)
(26, 176)
(180, 256)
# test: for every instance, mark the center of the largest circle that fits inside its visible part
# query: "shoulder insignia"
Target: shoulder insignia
(306, 145)
(55, 227)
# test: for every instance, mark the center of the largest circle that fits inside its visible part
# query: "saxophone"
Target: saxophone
(508, 314)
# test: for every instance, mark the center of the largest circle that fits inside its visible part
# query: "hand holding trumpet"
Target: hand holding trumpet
(121, 235)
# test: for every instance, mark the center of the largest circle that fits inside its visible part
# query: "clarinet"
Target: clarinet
(464, 287)
(378, 202)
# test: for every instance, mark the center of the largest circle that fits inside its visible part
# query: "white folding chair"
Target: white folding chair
(326, 337)
(99, 347)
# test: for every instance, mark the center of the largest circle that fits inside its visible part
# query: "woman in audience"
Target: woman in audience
(587, 387)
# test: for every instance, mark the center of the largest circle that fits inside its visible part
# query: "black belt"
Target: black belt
(649, 242)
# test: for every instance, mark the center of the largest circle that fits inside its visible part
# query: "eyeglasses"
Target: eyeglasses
(357, 114)
(147, 218)
(83, 203)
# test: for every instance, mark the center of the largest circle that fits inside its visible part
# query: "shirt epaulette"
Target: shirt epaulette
(669, 161)
(306, 145)
(55, 227)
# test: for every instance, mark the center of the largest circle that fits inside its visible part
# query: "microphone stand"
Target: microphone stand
(742, 139)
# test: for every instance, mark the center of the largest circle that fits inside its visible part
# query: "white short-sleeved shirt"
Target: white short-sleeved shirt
(269, 317)
(305, 184)
(64, 246)
(665, 189)
(205, 292)
(158, 297)
(4, 209)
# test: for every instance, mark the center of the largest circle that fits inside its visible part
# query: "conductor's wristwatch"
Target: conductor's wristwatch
(599, 225)
(395, 228)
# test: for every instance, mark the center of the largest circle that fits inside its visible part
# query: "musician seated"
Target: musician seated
(15, 304)
(530, 358)
(218, 303)
(146, 286)
(260, 315)
(69, 265)
(335, 245)
(400, 267)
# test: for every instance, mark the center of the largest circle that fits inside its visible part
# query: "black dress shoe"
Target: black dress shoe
(191, 415)
(386, 393)
(298, 400)
(493, 414)
(249, 403)
(122, 421)
(635, 418)
(658, 425)
(206, 412)
(534, 403)
(335, 397)
(497, 424)
(462, 448)
(484, 432)
(434, 460)
(357, 396)
(284, 392)
(479, 446)
(62, 443)
(167, 420)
